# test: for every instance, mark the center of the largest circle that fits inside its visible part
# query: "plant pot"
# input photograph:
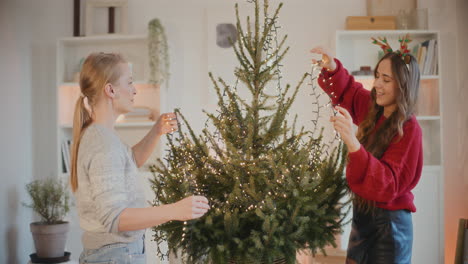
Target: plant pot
(49, 240)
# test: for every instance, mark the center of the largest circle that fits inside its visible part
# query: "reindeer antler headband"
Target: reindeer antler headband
(403, 51)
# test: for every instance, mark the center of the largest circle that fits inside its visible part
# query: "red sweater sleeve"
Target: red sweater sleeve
(346, 92)
(389, 180)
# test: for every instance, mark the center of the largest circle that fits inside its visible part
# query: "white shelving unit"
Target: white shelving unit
(355, 49)
(71, 52)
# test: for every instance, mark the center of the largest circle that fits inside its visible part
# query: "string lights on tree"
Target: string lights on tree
(273, 188)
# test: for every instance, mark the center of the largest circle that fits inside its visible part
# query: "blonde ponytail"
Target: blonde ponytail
(98, 70)
(81, 120)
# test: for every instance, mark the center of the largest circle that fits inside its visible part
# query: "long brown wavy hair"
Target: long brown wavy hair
(98, 70)
(407, 77)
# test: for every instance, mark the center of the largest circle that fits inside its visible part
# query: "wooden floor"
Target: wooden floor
(334, 256)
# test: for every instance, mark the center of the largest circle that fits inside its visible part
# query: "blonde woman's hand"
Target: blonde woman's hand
(190, 208)
(327, 61)
(343, 124)
(167, 123)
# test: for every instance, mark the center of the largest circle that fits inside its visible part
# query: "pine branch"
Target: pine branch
(273, 188)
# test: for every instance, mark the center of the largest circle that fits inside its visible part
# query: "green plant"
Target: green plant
(50, 199)
(273, 189)
(158, 52)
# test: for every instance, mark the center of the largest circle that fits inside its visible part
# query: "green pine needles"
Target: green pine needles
(272, 189)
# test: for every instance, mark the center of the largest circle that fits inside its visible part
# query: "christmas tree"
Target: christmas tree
(273, 189)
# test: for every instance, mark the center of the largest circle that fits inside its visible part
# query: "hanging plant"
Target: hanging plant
(158, 53)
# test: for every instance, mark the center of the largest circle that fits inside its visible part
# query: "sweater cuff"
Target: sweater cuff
(328, 73)
(357, 164)
(114, 228)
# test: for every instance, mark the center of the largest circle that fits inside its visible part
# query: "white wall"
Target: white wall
(456, 130)
(16, 135)
(28, 30)
(450, 18)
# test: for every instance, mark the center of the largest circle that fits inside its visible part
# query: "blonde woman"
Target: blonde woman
(112, 210)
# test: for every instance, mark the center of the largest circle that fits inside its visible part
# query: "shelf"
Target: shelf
(121, 125)
(68, 93)
(355, 48)
(363, 77)
(143, 171)
(376, 33)
(135, 124)
(138, 85)
(73, 50)
(102, 39)
(430, 77)
(427, 118)
(371, 77)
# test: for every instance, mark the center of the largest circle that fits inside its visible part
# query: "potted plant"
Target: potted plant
(158, 53)
(50, 200)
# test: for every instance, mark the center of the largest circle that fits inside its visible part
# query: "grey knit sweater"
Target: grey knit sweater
(107, 184)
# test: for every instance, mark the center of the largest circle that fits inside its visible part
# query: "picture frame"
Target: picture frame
(120, 6)
(76, 18)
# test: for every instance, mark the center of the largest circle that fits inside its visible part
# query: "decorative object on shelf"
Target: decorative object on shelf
(121, 5)
(412, 19)
(76, 17)
(273, 189)
(139, 114)
(389, 7)
(50, 200)
(403, 19)
(65, 148)
(370, 22)
(158, 53)
(226, 35)
(408, 16)
(363, 70)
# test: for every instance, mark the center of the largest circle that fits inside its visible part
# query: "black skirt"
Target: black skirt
(380, 237)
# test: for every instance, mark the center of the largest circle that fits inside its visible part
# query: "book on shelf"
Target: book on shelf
(426, 54)
(422, 58)
(435, 65)
(66, 143)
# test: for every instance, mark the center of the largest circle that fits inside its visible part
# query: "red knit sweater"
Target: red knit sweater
(390, 179)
